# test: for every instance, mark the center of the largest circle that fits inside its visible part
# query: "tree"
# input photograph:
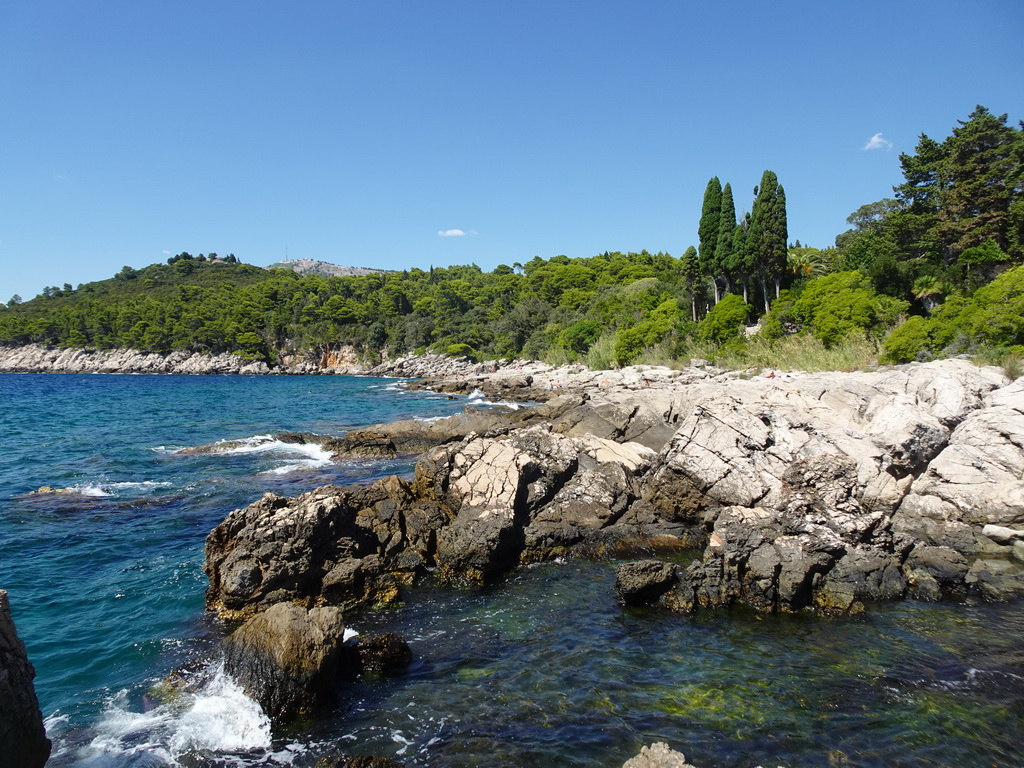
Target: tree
(732, 254)
(980, 177)
(690, 268)
(707, 231)
(768, 233)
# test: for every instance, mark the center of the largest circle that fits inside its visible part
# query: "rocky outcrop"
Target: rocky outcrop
(476, 508)
(23, 742)
(286, 658)
(333, 545)
(818, 491)
(825, 492)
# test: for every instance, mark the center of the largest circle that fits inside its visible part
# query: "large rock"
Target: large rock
(286, 658)
(527, 495)
(810, 474)
(477, 508)
(341, 546)
(644, 581)
(977, 480)
(23, 742)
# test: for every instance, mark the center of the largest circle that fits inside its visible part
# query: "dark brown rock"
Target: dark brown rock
(644, 581)
(286, 658)
(23, 742)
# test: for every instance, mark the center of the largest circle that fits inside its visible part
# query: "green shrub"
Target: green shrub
(601, 354)
(999, 317)
(842, 303)
(725, 321)
(904, 343)
(462, 350)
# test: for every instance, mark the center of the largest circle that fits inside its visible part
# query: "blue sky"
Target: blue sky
(371, 133)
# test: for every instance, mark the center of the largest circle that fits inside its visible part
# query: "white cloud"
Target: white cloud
(454, 232)
(878, 142)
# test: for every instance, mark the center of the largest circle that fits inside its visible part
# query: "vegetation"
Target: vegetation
(929, 272)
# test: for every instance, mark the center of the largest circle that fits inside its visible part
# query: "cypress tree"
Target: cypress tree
(729, 259)
(768, 233)
(691, 277)
(707, 230)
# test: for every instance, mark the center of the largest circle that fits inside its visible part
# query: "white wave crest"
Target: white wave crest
(316, 456)
(219, 718)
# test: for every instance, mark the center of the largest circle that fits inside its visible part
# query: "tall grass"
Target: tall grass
(790, 353)
(601, 355)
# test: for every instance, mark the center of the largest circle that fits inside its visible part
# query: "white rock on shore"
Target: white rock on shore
(40, 359)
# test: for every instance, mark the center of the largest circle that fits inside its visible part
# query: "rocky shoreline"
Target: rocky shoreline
(801, 491)
(330, 360)
(798, 492)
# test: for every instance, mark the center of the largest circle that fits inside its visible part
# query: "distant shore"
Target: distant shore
(450, 374)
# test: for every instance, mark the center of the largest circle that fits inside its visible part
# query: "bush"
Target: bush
(842, 303)
(601, 354)
(462, 350)
(904, 343)
(725, 321)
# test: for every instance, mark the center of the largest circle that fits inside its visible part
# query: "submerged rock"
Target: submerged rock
(358, 761)
(23, 742)
(385, 654)
(644, 581)
(286, 658)
(658, 755)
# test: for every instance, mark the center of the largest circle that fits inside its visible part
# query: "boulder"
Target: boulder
(23, 742)
(286, 658)
(644, 582)
(343, 546)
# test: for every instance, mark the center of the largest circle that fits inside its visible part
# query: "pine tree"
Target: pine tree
(979, 179)
(707, 231)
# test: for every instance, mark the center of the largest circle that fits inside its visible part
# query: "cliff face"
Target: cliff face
(23, 742)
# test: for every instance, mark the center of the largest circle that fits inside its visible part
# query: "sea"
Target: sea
(542, 669)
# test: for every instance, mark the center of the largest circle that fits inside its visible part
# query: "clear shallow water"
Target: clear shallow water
(544, 670)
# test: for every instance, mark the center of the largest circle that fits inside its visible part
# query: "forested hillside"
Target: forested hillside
(936, 262)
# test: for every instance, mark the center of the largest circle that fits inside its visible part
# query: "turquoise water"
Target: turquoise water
(545, 669)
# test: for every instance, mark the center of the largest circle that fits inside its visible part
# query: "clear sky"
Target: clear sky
(405, 133)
